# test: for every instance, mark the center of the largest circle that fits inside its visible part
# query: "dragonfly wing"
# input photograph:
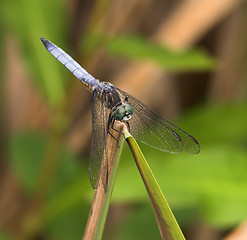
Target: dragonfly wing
(98, 164)
(149, 128)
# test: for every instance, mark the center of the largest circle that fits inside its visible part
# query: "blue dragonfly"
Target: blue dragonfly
(110, 104)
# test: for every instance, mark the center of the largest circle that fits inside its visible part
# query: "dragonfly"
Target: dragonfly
(110, 104)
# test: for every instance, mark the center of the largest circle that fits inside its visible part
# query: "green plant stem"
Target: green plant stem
(168, 226)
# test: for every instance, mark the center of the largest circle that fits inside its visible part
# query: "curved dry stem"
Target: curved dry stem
(101, 201)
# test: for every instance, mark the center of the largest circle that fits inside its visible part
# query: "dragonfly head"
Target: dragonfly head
(123, 112)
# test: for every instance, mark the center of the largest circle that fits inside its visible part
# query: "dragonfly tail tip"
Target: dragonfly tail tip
(44, 41)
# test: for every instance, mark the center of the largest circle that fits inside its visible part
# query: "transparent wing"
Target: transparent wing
(69, 62)
(98, 164)
(149, 128)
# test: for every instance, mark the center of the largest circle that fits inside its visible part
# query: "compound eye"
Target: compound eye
(119, 113)
(128, 109)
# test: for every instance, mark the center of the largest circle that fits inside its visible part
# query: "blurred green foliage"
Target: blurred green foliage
(211, 185)
(141, 224)
(29, 20)
(214, 180)
(4, 236)
(139, 49)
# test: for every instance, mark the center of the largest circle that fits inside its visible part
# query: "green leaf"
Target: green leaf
(169, 229)
(137, 48)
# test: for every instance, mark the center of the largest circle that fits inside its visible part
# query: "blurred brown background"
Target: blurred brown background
(184, 59)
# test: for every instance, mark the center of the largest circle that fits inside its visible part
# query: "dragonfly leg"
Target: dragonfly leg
(128, 125)
(111, 122)
(112, 126)
(113, 137)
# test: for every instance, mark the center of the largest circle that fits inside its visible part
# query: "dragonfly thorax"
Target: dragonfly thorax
(108, 94)
(123, 112)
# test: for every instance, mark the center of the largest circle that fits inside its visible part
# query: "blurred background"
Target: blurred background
(184, 59)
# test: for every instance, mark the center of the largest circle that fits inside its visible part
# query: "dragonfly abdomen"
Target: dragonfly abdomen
(84, 77)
